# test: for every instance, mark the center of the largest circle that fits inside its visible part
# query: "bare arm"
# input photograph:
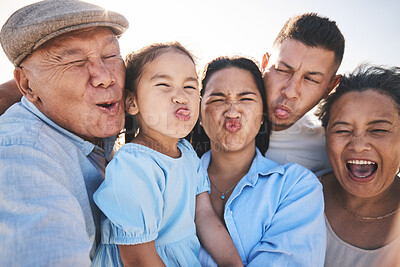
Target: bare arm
(9, 94)
(140, 255)
(213, 235)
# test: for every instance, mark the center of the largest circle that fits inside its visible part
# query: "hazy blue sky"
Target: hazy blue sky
(212, 28)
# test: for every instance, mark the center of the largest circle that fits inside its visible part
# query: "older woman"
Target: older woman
(362, 195)
(274, 213)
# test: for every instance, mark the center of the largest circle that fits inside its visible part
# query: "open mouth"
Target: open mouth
(361, 169)
(108, 106)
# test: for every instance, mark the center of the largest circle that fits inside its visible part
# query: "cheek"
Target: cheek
(254, 115)
(390, 154)
(333, 148)
(210, 118)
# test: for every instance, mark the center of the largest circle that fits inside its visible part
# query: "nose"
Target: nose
(179, 97)
(359, 143)
(100, 75)
(292, 88)
(232, 110)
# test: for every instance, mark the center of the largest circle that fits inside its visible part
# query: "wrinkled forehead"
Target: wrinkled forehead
(103, 34)
(71, 43)
(297, 54)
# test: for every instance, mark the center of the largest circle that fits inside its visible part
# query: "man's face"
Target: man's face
(77, 81)
(296, 79)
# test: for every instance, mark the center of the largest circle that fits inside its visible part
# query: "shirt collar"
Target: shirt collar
(260, 167)
(85, 146)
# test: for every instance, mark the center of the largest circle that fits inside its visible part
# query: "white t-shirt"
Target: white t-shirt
(302, 143)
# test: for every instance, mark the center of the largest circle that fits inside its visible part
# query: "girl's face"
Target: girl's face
(363, 142)
(231, 109)
(167, 96)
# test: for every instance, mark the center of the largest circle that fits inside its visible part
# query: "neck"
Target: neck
(96, 141)
(383, 203)
(163, 144)
(230, 165)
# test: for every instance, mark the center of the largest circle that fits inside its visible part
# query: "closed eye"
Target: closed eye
(311, 80)
(162, 84)
(342, 132)
(78, 63)
(191, 87)
(282, 71)
(110, 56)
(214, 101)
(379, 131)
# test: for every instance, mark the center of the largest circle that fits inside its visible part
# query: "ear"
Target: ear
(264, 62)
(333, 83)
(131, 104)
(22, 81)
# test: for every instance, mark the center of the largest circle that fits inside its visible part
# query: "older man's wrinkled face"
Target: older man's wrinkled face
(77, 81)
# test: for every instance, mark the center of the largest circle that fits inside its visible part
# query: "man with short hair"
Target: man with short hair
(299, 73)
(70, 72)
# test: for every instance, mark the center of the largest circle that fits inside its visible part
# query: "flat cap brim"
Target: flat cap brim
(33, 25)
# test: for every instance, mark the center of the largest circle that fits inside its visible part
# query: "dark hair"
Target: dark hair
(199, 139)
(314, 31)
(135, 63)
(385, 80)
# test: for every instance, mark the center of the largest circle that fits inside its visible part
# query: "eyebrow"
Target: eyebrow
(240, 94)
(73, 51)
(369, 123)
(309, 73)
(164, 76)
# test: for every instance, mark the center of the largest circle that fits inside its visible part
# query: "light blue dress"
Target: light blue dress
(149, 196)
(275, 216)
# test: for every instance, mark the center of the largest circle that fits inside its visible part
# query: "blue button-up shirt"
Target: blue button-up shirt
(275, 216)
(47, 180)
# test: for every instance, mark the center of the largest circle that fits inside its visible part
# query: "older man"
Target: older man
(300, 72)
(52, 155)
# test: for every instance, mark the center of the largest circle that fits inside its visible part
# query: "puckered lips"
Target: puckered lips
(282, 112)
(361, 170)
(232, 125)
(111, 107)
(182, 113)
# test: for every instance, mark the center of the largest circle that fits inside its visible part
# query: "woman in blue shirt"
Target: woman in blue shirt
(274, 213)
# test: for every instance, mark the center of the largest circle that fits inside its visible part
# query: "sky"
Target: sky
(212, 28)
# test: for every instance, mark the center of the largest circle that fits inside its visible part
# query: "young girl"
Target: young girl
(155, 185)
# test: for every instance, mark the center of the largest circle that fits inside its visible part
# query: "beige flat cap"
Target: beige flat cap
(33, 25)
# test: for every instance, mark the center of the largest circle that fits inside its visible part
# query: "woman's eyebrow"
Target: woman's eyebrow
(379, 121)
(217, 94)
(340, 123)
(247, 93)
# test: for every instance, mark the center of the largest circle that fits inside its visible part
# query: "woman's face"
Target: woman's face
(231, 109)
(363, 142)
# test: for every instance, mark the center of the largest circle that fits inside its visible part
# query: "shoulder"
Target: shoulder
(188, 151)
(184, 145)
(296, 172)
(288, 176)
(134, 155)
(135, 160)
(20, 128)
